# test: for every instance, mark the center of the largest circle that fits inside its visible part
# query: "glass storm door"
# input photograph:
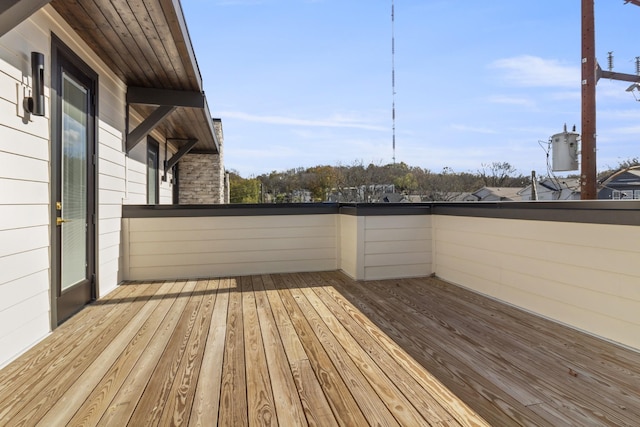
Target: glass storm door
(75, 201)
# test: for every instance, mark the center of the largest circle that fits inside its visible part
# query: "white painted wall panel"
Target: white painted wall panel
(22, 216)
(248, 232)
(583, 275)
(184, 247)
(109, 211)
(397, 246)
(22, 337)
(234, 269)
(22, 144)
(23, 240)
(350, 259)
(14, 166)
(108, 182)
(108, 240)
(108, 197)
(109, 151)
(23, 312)
(25, 174)
(12, 116)
(16, 192)
(24, 198)
(23, 264)
(228, 246)
(265, 225)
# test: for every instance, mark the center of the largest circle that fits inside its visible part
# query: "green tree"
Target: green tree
(320, 180)
(243, 190)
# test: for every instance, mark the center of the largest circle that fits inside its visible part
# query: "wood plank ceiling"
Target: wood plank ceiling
(146, 44)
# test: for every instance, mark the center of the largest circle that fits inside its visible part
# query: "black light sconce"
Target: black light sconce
(35, 103)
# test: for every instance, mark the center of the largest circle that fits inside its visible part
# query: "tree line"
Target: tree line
(358, 183)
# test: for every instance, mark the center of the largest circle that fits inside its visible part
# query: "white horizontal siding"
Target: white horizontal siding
(16, 166)
(23, 264)
(111, 192)
(23, 336)
(351, 255)
(16, 192)
(20, 240)
(397, 246)
(12, 116)
(22, 216)
(136, 182)
(25, 180)
(584, 275)
(24, 199)
(162, 248)
(23, 144)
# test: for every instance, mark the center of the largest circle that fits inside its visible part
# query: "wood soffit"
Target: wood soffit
(147, 45)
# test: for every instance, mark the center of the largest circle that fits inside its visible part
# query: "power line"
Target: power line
(393, 81)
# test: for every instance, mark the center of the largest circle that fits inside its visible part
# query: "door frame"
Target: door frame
(153, 145)
(62, 55)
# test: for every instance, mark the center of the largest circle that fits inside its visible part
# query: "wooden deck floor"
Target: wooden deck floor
(316, 349)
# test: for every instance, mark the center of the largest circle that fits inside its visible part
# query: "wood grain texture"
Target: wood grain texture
(25, 399)
(124, 402)
(287, 401)
(103, 393)
(316, 349)
(233, 388)
(260, 402)
(152, 403)
(207, 395)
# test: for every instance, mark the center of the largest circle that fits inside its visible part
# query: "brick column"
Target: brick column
(202, 175)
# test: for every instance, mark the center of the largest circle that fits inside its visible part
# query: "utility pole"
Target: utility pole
(393, 80)
(591, 73)
(588, 190)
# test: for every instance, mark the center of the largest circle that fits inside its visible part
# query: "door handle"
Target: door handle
(59, 220)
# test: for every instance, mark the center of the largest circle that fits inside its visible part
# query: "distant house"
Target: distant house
(361, 194)
(393, 198)
(622, 185)
(553, 189)
(495, 194)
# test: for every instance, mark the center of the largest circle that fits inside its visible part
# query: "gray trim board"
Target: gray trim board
(13, 12)
(168, 211)
(148, 125)
(385, 209)
(181, 152)
(592, 211)
(153, 96)
(587, 211)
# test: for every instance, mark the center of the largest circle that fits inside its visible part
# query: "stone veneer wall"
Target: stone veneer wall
(202, 175)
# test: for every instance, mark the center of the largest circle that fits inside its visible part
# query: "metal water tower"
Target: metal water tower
(564, 151)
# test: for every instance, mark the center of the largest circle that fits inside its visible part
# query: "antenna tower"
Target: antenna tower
(393, 82)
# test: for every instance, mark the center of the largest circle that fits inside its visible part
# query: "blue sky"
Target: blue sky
(300, 83)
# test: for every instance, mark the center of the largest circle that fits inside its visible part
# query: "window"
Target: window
(153, 183)
(622, 194)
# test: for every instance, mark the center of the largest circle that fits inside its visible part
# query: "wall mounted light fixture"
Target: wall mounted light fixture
(35, 103)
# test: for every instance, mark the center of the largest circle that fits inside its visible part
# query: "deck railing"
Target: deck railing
(574, 262)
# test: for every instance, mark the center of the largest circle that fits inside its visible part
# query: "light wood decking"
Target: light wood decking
(316, 349)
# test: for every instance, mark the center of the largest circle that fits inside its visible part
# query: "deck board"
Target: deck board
(316, 349)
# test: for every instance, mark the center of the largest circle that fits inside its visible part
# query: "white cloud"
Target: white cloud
(332, 122)
(533, 71)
